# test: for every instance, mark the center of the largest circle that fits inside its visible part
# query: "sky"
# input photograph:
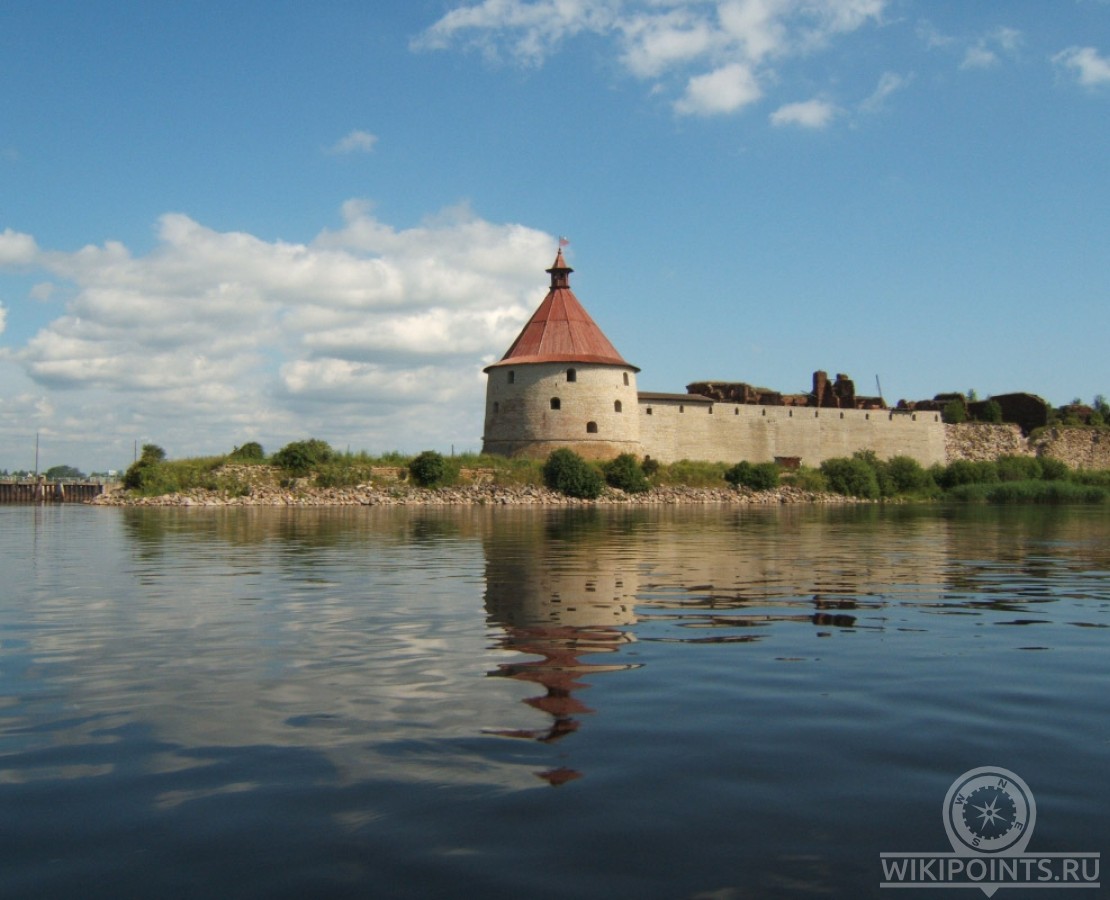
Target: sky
(269, 221)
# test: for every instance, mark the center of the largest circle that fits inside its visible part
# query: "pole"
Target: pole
(36, 454)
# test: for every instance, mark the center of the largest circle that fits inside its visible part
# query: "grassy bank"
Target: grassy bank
(312, 464)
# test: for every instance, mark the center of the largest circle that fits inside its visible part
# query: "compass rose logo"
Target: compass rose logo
(989, 810)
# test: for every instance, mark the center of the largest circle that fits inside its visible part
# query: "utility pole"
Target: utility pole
(36, 454)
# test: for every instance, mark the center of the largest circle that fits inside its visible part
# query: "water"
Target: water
(690, 702)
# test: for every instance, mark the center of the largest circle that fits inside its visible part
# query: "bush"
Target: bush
(907, 476)
(1053, 469)
(954, 412)
(650, 466)
(567, 472)
(807, 479)
(300, 457)
(990, 412)
(964, 471)
(1019, 468)
(625, 473)
(251, 451)
(428, 469)
(852, 477)
(757, 476)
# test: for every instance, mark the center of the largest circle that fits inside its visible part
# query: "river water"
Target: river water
(669, 702)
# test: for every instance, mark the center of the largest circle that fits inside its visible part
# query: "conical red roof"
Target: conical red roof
(561, 330)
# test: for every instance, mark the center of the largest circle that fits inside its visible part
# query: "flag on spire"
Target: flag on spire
(563, 240)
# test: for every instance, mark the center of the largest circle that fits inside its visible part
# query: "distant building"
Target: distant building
(562, 383)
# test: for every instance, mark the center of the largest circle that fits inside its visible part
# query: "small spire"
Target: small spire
(560, 271)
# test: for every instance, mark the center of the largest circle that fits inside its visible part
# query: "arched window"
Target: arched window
(616, 406)
(626, 379)
(648, 411)
(681, 408)
(512, 377)
(555, 403)
(591, 428)
(572, 374)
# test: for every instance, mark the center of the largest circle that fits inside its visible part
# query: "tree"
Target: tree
(954, 412)
(59, 473)
(300, 457)
(152, 453)
(852, 477)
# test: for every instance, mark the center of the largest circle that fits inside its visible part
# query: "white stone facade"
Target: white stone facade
(534, 408)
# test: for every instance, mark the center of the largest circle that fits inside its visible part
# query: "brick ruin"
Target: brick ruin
(826, 394)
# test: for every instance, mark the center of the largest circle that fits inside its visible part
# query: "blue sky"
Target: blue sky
(269, 221)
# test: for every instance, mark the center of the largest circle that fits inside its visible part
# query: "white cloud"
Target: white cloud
(726, 90)
(1089, 68)
(213, 338)
(355, 142)
(724, 51)
(808, 114)
(17, 249)
(889, 83)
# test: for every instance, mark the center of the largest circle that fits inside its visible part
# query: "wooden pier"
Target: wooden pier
(43, 491)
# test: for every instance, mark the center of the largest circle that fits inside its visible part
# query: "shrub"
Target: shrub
(852, 477)
(625, 473)
(1053, 469)
(964, 471)
(954, 412)
(1019, 468)
(428, 469)
(807, 479)
(907, 476)
(301, 456)
(567, 472)
(650, 466)
(252, 451)
(990, 412)
(757, 476)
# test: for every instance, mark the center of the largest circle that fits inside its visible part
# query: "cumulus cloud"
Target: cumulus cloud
(1085, 64)
(216, 337)
(808, 114)
(726, 90)
(722, 52)
(355, 142)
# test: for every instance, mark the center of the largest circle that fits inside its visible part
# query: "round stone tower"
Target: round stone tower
(561, 384)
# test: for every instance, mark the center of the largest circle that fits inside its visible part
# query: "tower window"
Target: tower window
(512, 377)
(556, 403)
(626, 379)
(572, 374)
(648, 411)
(591, 428)
(617, 406)
(681, 408)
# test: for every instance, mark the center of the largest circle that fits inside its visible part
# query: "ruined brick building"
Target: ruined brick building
(562, 383)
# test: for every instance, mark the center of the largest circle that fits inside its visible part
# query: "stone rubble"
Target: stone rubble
(465, 495)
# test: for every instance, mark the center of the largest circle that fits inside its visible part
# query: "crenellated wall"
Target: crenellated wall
(692, 428)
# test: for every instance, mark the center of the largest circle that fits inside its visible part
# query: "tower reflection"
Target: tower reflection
(560, 597)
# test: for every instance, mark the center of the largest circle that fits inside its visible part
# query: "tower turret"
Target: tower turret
(561, 384)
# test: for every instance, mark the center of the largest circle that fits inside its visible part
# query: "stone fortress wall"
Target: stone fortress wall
(677, 427)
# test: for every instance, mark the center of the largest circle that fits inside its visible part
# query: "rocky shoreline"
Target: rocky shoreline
(466, 495)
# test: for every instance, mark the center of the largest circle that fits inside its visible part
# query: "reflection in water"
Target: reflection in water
(559, 597)
(357, 702)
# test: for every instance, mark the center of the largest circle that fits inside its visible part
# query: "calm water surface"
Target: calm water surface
(695, 702)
